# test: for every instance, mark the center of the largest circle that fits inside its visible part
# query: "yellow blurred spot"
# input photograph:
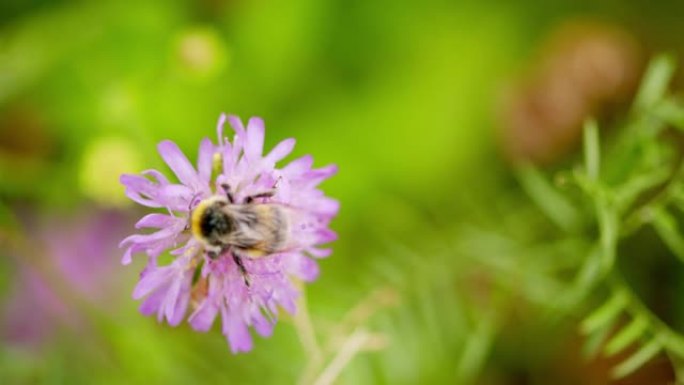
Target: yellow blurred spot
(201, 53)
(217, 162)
(103, 161)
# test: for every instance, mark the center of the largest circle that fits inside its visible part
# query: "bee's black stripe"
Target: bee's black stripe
(215, 223)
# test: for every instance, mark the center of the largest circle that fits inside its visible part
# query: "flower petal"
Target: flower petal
(177, 299)
(280, 151)
(261, 324)
(155, 220)
(178, 163)
(236, 331)
(152, 280)
(219, 128)
(316, 176)
(304, 268)
(128, 255)
(152, 303)
(298, 166)
(205, 160)
(325, 206)
(254, 145)
(141, 190)
(177, 197)
(204, 316)
(318, 252)
(236, 123)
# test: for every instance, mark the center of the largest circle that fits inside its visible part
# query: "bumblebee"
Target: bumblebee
(248, 230)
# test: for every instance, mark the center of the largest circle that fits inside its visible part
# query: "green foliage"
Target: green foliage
(624, 200)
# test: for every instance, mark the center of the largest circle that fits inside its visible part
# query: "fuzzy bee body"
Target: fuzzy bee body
(251, 230)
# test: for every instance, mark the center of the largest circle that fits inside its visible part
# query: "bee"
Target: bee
(249, 229)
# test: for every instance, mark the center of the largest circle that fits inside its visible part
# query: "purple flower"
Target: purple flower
(74, 252)
(205, 286)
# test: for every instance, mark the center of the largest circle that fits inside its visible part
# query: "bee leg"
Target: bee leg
(241, 267)
(275, 185)
(190, 208)
(229, 193)
(213, 252)
(265, 194)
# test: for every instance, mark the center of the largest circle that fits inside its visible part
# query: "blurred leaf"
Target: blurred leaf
(666, 226)
(626, 336)
(628, 193)
(476, 348)
(671, 111)
(592, 155)
(655, 82)
(605, 314)
(587, 277)
(608, 227)
(556, 207)
(31, 47)
(636, 360)
(672, 341)
(594, 342)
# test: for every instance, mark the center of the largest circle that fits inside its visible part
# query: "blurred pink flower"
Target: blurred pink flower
(77, 253)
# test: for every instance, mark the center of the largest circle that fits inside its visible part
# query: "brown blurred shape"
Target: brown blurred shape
(571, 365)
(583, 69)
(23, 134)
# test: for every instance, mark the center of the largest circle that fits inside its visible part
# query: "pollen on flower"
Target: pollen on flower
(224, 278)
(216, 162)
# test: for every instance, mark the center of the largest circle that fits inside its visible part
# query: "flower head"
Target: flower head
(207, 284)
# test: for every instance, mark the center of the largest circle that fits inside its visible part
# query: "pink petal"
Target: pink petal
(319, 253)
(152, 281)
(236, 331)
(305, 268)
(219, 129)
(155, 220)
(127, 257)
(142, 239)
(141, 190)
(261, 324)
(325, 206)
(177, 299)
(298, 166)
(177, 197)
(202, 319)
(161, 179)
(325, 235)
(316, 176)
(236, 123)
(178, 163)
(152, 303)
(205, 160)
(280, 151)
(254, 144)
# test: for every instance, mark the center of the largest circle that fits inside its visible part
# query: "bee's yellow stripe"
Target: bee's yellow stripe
(197, 214)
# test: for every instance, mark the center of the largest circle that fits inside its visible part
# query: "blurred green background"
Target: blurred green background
(406, 97)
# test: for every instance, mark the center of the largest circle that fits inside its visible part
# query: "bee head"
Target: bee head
(210, 220)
